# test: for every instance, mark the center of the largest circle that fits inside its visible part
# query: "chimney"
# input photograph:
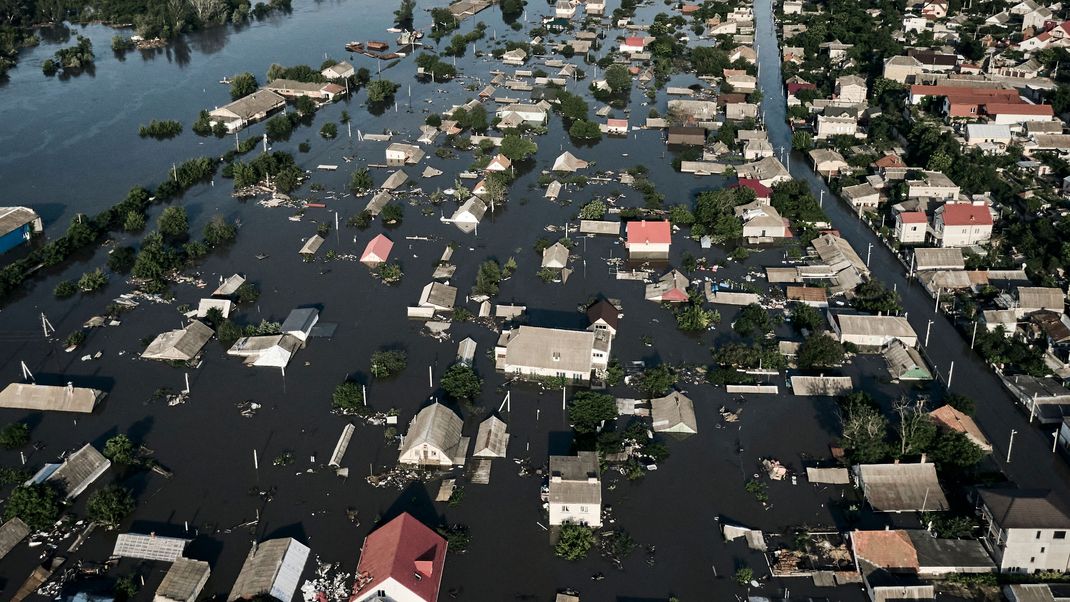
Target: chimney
(923, 457)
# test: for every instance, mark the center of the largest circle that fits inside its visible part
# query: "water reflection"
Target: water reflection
(58, 33)
(211, 41)
(179, 51)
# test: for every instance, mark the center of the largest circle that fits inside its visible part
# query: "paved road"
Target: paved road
(1032, 463)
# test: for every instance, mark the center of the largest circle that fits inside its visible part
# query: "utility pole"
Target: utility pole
(973, 339)
(950, 373)
(869, 252)
(1010, 445)
(927, 328)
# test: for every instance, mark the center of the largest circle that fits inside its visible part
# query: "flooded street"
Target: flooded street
(72, 146)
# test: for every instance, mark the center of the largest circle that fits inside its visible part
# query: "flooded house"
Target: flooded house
(179, 345)
(868, 331)
(499, 163)
(687, 136)
(532, 351)
(555, 256)
(604, 315)
(768, 171)
(300, 322)
(395, 180)
(17, 226)
(670, 288)
(901, 487)
(204, 306)
(50, 398)
(378, 201)
(11, 534)
(949, 418)
(229, 287)
(515, 57)
(272, 568)
(523, 113)
(469, 214)
(149, 547)
(438, 296)
(575, 490)
(402, 560)
(492, 439)
(648, 239)
(290, 88)
(762, 221)
(271, 351)
(71, 476)
(377, 251)
(339, 70)
(674, 413)
(184, 581)
(434, 439)
(246, 110)
(466, 351)
(616, 127)
(400, 154)
(1024, 529)
(567, 162)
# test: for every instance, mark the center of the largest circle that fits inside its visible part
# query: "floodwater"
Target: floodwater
(71, 146)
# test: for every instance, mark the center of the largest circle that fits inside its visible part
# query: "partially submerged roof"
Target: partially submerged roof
(48, 398)
(438, 295)
(951, 418)
(13, 532)
(568, 162)
(395, 180)
(13, 218)
(827, 386)
(492, 438)
(673, 413)
(301, 319)
(885, 549)
(406, 551)
(555, 256)
(183, 581)
(901, 487)
(75, 473)
(149, 547)
(867, 325)
(229, 286)
(311, 245)
(377, 250)
(272, 567)
(179, 345)
(938, 259)
(605, 311)
(436, 425)
(905, 363)
(549, 348)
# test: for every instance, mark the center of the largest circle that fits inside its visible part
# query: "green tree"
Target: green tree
(14, 435)
(872, 296)
(618, 79)
(348, 397)
(65, 289)
(228, 333)
(173, 222)
(388, 363)
(693, 317)
(243, 84)
(392, 214)
(461, 382)
(820, 351)
(744, 575)
(329, 131)
(403, 15)
(279, 127)
(806, 317)
(219, 232)
(109, 506)
(588, 410)
(92, 281)
(517, 148)
(360, 181)
(488, 278)
(953, 449)
(575, 542)
(656, 381)
(753, 320)
(382, 91)
(120, 450)
(802, 141)
(585, 130)
(134, 221)
(37, 505)
(571, 106)
(121, 259)
(593, 210)
(247, 293)
(155, 260)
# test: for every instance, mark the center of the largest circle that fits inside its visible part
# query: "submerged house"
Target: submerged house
(75, 473)
(50, 398)
(492, 439)
(402, 560)
(17, 226)
(377, 251)
(272, 351)
(673, 413)
(575, 490)
(272, 568)
(300, 322)
(246, 110)
(670, 288)
(183, 581)
(179, 345)
(531, 351)
(469, 214)
(434, 439)
(648, 240)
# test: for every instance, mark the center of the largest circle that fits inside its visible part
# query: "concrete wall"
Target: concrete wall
(1024, 552)
(572, 513)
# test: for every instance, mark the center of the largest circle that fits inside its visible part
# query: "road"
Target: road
(1032, 465)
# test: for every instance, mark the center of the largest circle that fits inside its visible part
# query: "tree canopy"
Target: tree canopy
(588, 409)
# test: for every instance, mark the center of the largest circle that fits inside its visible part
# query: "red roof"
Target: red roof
(885, 549)
(964, 214)
(796, 86)
(649, 232)
(892, 160)
(913, 217)
(634, 41)
(378, 249)
(407, 551)
(617, 123)
(689, 8)
(760, 190)
(676, 294)
(1018, 109)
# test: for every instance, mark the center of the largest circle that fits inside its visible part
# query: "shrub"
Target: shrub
(14, 435)
(461, 382)
(389, 363)
(575, 542)
(65, 289)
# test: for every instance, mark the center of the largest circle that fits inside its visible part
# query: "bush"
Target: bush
(348, 397)
(593, 210)
(219, 232)
(243, 84)
(65, 289)
(656, 381)
(173, 223)
(461, 382)
(92, 281)
(329, 131)
(385, 364)
(589, 410)
(160, 130)
(247, 293)
(120, 450)
(575, 542)
(360, 181)
(134, 221)
(820, 351)
(488, 278)
(389, 273)
(382, 91)
(14, 435)
(585, 130)
(392, 214)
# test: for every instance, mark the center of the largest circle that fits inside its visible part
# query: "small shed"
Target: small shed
(311, 246)
(466, 351)
(300, 321)
(555, 256)
(674, 413)
(183, 581)
(492, 439)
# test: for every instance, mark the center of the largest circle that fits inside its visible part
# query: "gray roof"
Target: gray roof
(396, 179)
(377, 202)
(13, 218)
(563, 350)
(867, 325)
(272, 567)
(229, 286)
(44, 398)
(438, 295)
(436, 425)
(1040, 297)
(589, 226)
(573, 492)
(826, 386)
(674, 412)
(581, 467)
(838, 253)
(938, 259)
(149, 547)
(1033, 592)
(74, 474)
(941, 552)
(11, 534)
(258, 102)
(183, 581)
(311, 245)
(901, 487)
(179, 345)
(902, 360)
(555, 256)
(1024, 509)
(492, 438)
(301, 319)
(466, 351)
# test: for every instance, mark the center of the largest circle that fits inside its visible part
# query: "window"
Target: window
(1042, 550)
(564, 508)
(1032, 559)
(583, 509)
(1038, 534)
(1059, 535)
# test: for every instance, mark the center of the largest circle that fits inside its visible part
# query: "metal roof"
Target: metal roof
(272, 567)
(492, 438)
(45, 398)
(901, 487)
(183, 581)
(149, 547)
(74, 474)
(674, 412)
(13, 218)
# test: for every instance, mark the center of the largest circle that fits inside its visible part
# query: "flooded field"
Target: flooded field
(72, 146)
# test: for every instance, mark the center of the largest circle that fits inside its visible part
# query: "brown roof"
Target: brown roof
(814, 294)
(885, 549)
(604, 310)
(948, 417)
